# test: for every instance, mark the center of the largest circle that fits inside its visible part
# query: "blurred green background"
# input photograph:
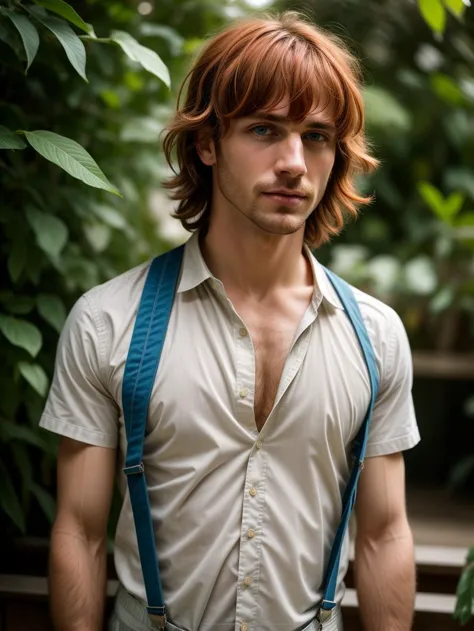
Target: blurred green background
(106, 76)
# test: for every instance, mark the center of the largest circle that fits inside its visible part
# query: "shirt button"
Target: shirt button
(258, 444)
(244, 626)
(250, 533)
(243, 332)
(253, 491)
(243, 393)
(247, 581)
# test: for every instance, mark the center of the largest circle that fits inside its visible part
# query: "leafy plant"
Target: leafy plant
(54, 232)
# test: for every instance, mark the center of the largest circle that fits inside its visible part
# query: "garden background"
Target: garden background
(102, 78)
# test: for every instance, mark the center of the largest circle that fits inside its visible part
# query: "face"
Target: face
(263, 154)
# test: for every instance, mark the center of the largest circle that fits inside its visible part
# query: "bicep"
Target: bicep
(85, 486)
(380, 504)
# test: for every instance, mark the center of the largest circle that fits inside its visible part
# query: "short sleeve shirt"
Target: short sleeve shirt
(244, 520)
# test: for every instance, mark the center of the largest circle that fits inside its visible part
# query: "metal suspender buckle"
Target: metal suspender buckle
(157, 617)
(324, 615)
(157, 622)
(134, 469)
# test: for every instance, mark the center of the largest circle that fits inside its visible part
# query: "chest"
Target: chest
(272, 330)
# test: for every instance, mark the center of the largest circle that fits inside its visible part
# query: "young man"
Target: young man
(262, 386)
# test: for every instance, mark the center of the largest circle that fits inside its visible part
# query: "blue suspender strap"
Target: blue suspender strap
(140, 370)
(353, 313)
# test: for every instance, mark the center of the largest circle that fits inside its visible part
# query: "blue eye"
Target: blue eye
(260, 127)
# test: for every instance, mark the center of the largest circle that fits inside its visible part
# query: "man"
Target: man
(262, 386)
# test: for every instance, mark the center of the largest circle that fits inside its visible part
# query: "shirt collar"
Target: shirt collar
(323, 289)
(195, 272)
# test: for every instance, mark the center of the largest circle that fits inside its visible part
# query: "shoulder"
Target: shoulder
(121, 293)
(387, 335)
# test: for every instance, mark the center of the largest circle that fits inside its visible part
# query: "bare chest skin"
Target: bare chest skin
(272, 328)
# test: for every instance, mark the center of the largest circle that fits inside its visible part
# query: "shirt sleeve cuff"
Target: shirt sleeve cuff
(393, 446)
(68, 429)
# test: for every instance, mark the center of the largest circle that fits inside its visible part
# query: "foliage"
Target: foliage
(74, 96)
(414, 246)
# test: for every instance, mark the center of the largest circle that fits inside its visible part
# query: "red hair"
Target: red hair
(252, 65)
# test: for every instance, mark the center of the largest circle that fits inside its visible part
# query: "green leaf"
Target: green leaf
(19, 305)
(9, 38)
(70, 156)
(433, 198)
(9, 500)
(9, 140)
(45, 500)
(64, 10)
(16, 259)
(146, 57)
(10, 430)
(28, 34)
(384, 111)
(51, 233)
(52, 309)
(434, 14)
(35, 376)
(98, 235)
(110, 216)
(453, 205)
(457, 7)
(73, 46)
(447, 89)
(465, 595)
(21, 333)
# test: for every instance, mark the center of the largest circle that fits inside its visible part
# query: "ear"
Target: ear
(205, 146)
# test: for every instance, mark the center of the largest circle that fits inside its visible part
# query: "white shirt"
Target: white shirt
(244, 521)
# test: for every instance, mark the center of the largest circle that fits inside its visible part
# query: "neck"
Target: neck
(254, 262)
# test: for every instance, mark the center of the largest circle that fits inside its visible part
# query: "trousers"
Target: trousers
(130, 614)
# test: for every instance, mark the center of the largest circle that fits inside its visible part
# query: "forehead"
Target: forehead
(321, 111)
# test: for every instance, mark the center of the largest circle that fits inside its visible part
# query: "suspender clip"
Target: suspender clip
(324, 614)
(157, 622)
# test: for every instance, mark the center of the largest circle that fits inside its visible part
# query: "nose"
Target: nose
(291, 160)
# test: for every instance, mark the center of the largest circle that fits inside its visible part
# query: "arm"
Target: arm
(79, 536)
(384, 552)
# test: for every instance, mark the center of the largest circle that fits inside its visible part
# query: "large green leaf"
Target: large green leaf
(50, 231)
(35, 376)
(384, 111)
(434, 14)
(9, 500)
(9, 140)
(21, 333)
(11, 431)
(45, 500)
(457, 7)
(51, 308)
(28, 34)
(141, 54)
(70, 156)
(66, 11)
(73, 46)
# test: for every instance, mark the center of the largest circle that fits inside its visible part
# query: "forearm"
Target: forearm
(77, 581)
(386, 580)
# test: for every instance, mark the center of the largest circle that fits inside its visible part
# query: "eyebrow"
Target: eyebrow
(277, 118)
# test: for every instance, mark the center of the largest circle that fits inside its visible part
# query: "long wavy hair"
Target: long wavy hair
(252, 65)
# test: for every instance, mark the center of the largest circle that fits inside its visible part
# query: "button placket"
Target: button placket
(245, 375)
(251, 536)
